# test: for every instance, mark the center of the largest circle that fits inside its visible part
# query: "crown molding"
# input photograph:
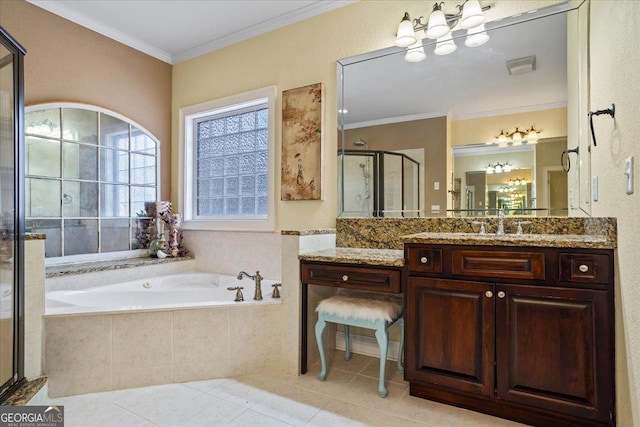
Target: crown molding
(283, 20)
(289, 18)
(398, 119)
(507, 111)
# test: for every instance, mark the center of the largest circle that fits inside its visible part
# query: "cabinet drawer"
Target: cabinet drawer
(363, 278)
(584, 268)
(498, 264)
(425, 260)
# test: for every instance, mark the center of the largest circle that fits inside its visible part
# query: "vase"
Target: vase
(156, 245)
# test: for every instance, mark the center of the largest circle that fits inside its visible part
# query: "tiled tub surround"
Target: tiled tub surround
(99, 352)
(390, 233)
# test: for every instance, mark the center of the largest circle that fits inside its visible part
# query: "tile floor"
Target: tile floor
(348, 397)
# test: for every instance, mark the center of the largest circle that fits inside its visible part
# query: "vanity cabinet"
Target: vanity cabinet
(378, 270)
(518, 332)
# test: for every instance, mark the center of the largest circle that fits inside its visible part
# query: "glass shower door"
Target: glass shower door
(7, 208)
(11, 214)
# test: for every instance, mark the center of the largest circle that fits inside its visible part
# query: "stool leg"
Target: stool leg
(320, 325)
(347, 343)
(401, 351)
(383, 342)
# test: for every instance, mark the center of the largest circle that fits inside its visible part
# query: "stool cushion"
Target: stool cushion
(345, 306)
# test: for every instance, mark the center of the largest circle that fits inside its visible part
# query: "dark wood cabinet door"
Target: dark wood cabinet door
(450, 334)
(554, 349)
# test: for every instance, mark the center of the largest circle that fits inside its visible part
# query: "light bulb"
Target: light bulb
(405, 36)
(415, 52)
(471, 14)
(476, 36)
(445, 45)
(437, 26)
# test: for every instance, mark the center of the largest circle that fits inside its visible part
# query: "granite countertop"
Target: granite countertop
(383, 257)
(308, 232)
(526, 240)
(92, 267)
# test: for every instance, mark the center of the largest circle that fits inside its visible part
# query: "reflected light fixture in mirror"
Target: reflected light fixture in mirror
(518, 137)
(445, 45)
(415, 52)
(477, 36)
(499, 167)
(439, 27)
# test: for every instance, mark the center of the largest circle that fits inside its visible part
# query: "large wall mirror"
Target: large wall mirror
(423, 138)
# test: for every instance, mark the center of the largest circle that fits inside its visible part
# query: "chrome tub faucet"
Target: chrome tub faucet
(257, 278)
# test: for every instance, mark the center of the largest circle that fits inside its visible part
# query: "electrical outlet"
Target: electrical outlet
(571, 198)
(436, 185)
(594, 188)
(435, 208)
(628, 175)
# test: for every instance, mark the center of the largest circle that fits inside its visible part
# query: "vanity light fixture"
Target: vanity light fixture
(439, 26)
(518, 137)
(499, 167)
(517, 181)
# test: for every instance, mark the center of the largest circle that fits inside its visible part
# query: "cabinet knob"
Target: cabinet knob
(501, 294)
(424, 260)
(345, 278)
(583, 268)
(488, 294)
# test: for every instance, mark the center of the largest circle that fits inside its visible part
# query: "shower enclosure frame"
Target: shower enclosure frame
(378, 178)
(16, 58)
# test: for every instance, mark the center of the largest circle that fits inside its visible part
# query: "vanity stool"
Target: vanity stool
(371, 312)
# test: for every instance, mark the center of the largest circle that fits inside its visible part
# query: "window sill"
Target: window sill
(114, 264)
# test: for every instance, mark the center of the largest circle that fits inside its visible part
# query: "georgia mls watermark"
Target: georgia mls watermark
(31, 416)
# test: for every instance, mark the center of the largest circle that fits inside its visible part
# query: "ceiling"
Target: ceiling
(177, 30)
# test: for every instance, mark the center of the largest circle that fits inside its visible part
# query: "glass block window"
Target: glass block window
(231, 162)
(89, 175)
(228, 152)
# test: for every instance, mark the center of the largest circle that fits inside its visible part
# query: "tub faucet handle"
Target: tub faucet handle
(238, 289)
(276, 291)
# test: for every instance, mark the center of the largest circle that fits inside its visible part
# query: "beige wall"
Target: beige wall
(294, 56)
(613, 79)
(67, 62)
(430, 134)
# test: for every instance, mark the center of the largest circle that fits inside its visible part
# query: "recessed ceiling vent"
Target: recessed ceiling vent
(521, 65)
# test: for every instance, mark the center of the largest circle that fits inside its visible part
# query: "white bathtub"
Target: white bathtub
(173, 328)
(184, 290)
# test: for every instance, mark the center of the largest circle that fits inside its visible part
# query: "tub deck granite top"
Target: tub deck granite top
(526, 240)
(92, 267)
(380, 257)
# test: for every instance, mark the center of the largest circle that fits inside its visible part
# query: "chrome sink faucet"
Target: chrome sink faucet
(500, 221)
(257, 278)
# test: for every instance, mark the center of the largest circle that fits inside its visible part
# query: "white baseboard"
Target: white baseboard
(368, 346)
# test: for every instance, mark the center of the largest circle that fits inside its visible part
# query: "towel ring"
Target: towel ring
(610, 111)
